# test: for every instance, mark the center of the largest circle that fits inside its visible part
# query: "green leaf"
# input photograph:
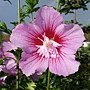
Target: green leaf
(3, 27)
(30, 6)
(31, 86)
(32, 3)
(35, 9)
(14, 23)
(1, 60)
(65, 6)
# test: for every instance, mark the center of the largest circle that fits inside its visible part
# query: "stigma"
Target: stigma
(49, 48)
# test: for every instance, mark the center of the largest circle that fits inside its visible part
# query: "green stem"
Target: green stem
(31, 16)
(75, 16)
(17, 68)
(48, 80)
(17, 77)
(18, 11)
(57, 5)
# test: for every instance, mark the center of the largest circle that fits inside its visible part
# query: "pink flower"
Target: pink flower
(48, 43)
(9, 65)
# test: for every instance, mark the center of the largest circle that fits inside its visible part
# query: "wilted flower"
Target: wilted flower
(2, 80)
(48, 43)
(9, 65)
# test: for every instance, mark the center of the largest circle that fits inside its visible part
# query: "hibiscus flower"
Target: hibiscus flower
(9, 65)
(48, 43)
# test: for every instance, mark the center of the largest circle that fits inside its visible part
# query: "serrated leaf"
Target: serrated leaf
(30, 6)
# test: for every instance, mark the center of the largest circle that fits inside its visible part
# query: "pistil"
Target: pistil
(49, 48)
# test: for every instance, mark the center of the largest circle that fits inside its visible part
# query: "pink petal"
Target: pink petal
(19, 35)
(1, 66)
(65, 65)
(47, 17)
(43, 66)
(32, 63)
(9, 67)
(71, 37)
(7, 46)
(1, 52)
(23, 35)
(10, 64)
(2, 80)
(9, 55)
